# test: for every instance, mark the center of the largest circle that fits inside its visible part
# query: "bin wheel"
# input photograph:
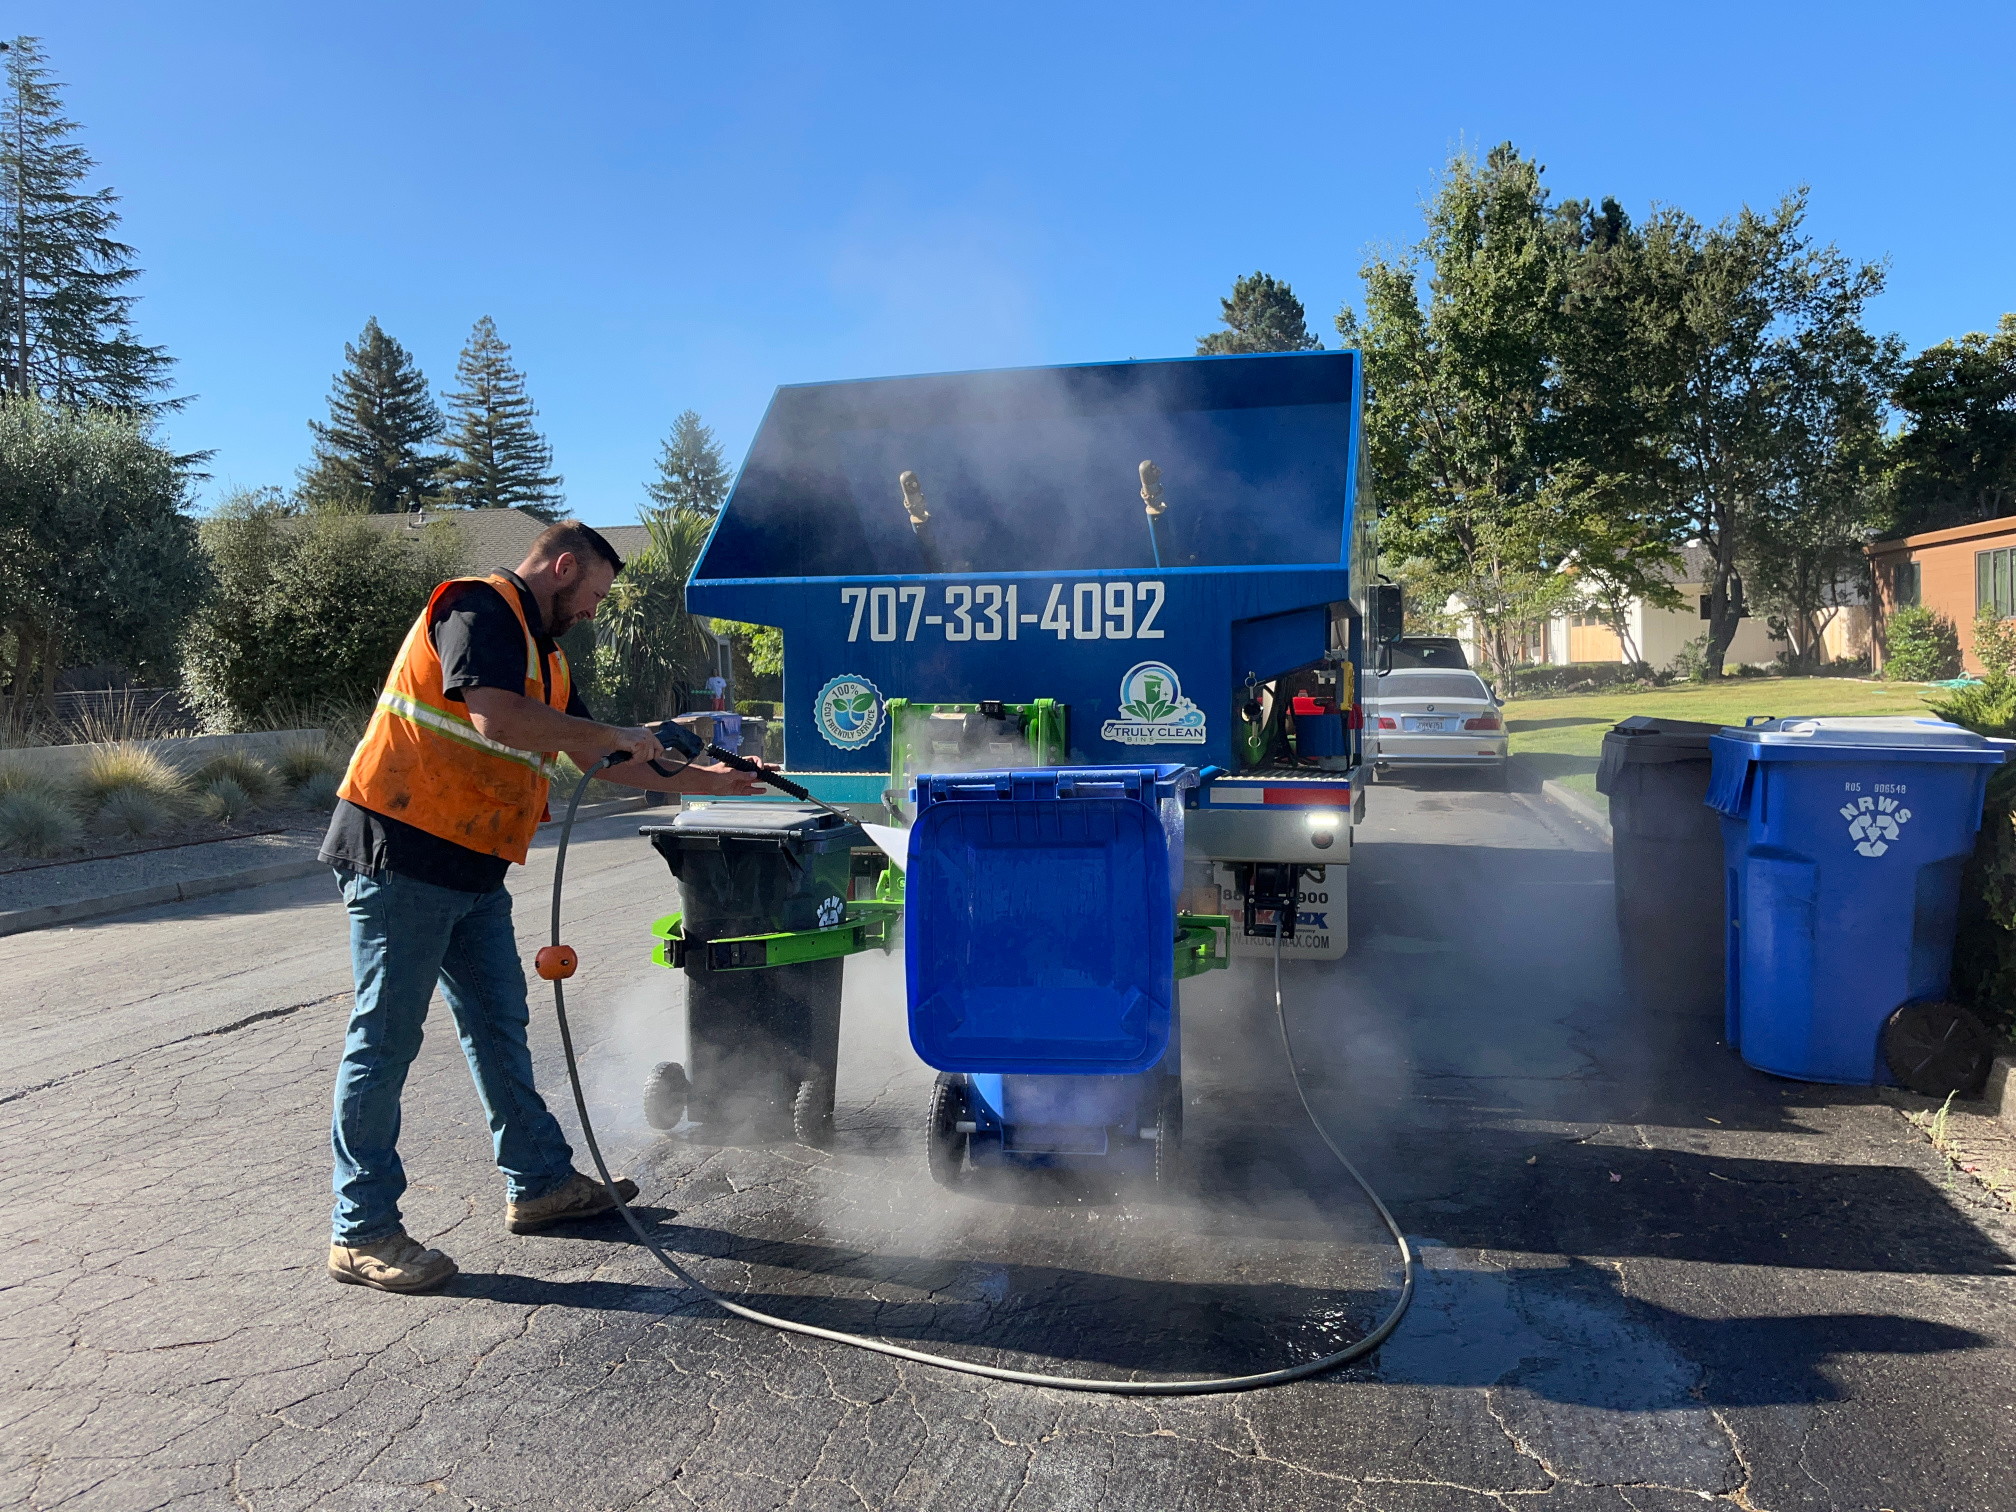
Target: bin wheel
(1938, 1048)
(1168, 1130)
(812, 1111)
(665, 1093)
(945, 1149)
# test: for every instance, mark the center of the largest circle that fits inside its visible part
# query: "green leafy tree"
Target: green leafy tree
(1263, 315)
(1730, 392)
(501, 460)
(373, 456)
(1456, 423)
(759, 658)
(692, 474)
(1955, 459)
(65, 311)
(649, 649)
(98, 556)
(310, 608)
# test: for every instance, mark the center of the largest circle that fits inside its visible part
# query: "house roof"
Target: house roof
(1978, 530)
(491, 539)
(500, 538)
(627, 539)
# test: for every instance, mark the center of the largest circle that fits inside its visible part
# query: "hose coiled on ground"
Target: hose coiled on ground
(1204, 1386)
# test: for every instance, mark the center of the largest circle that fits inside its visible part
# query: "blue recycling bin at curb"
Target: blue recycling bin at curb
(1843, 844)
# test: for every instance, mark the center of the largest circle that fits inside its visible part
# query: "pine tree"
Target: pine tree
(1261, 316)
(371, 455)
(501, 461)
(65, 318)
(692, 474)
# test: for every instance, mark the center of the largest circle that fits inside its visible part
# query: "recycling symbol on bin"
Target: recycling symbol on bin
(1873, 823)
(831, 911)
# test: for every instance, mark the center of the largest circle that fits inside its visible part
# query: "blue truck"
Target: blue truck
(1099, 565)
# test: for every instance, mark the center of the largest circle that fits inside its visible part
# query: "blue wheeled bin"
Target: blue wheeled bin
(1843, 844)
(1040, 934)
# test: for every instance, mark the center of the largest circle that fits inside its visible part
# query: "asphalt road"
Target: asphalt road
(1650, 1278)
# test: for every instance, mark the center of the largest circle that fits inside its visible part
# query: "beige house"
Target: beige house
(1659, 635)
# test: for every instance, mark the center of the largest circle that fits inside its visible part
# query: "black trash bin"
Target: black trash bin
(1666, 853)
(762, 1044)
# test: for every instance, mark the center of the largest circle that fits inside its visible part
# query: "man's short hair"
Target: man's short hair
(573, 537)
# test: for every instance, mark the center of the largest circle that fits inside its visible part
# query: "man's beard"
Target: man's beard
(567, 609)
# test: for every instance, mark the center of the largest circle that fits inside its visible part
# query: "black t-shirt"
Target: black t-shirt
(480, 646)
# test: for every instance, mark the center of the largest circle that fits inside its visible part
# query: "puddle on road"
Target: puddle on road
(1594, 1393)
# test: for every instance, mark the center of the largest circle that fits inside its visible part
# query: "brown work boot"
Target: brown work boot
(398, 1264)
(579, 1197)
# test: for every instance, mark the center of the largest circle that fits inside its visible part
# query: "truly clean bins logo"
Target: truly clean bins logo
(848, 711)
(1153, 710)
(1873, 823)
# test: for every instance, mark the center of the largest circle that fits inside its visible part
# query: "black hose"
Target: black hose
(1193, 1387)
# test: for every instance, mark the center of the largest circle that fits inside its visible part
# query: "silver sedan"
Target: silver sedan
(1423, 717)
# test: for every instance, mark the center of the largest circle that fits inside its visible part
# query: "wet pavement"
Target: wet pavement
(1649, 1278)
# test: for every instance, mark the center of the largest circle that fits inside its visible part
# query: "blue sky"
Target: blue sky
(669, 205)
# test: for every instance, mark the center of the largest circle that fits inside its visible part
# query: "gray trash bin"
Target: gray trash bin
(1666, 854)
(762, 1044)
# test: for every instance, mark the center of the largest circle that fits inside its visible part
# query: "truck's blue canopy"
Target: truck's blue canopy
(1035, 469)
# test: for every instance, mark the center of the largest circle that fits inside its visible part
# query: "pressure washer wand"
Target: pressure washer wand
(680, 738)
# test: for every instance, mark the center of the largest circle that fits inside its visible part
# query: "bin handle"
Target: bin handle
(1757, 719)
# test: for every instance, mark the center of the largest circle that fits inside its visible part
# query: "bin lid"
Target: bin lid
(1648, 738)
(1908, 737)
(1038, 922)
(762, 823)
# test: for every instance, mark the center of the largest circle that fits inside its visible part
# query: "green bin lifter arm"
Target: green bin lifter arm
(870, 924)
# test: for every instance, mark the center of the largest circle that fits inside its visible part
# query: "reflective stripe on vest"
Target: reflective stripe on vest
(465, 731)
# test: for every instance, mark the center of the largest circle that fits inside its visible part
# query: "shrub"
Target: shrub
(35, 823)
(224, 800)
(318, 791)
(134, 812)
(15, 778)
(117, 769)
(1922, 645)
(1691, 661)
(756, 708)
(1984, 948)
(310, 609)
(1995, 641)
(302, 760)
(255, 780)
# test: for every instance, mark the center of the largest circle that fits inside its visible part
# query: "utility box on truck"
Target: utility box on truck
(1118, 564)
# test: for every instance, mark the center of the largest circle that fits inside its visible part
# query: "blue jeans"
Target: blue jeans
(404, 936)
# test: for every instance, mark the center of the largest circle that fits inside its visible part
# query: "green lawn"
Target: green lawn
(1563, 737)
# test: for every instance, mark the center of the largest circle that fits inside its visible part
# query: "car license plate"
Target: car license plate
(1425, 724)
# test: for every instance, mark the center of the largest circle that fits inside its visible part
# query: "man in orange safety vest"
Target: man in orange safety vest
(443, 794)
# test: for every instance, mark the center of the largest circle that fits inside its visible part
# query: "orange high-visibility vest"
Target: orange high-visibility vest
(422, 760)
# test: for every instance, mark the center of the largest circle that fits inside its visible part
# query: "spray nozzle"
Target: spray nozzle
(913, 498)
(1151, 490)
